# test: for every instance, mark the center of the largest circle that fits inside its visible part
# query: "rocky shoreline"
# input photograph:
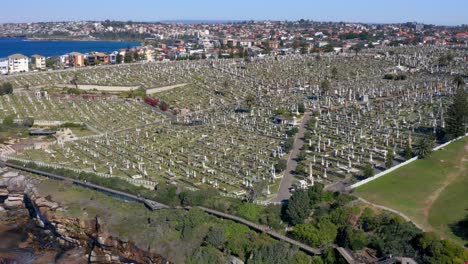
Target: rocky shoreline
(34, 230)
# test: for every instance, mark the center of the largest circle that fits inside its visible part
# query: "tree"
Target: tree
(301, 108)
(334, 72)
(128, 57)
(136, 55)
(325, 87)
(207, 255)
(298, 207)
(28, 122)
(357, 48)
(250, 101)
(9, 121)
(389, 159)
(349, 237)
(424, 147)
(215, 237)
(322, 234)
(118, 58)
(74, 80)
(408, 152)
(281, 165)
(6, 88)
(276, 252)
(368, 171)
(292, 131)
(459, 81)
(457, 113)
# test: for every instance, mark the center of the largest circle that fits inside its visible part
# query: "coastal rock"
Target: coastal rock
(235, 260)
(74, 256)
(16, 183)
(3, 191)
(42, 202)
(15, 203)
(10, 174)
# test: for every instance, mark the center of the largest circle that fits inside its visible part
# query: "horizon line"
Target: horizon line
(224, 21)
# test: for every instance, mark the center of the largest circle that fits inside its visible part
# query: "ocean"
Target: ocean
(48, 48)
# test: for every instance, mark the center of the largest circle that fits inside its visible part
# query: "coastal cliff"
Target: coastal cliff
(36, 230)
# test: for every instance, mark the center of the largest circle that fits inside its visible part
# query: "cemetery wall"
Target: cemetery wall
(354, 186)
(100, 88)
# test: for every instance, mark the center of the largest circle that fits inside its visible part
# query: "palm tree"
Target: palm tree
(424, 147)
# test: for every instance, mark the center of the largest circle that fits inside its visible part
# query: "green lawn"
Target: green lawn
(433, 192)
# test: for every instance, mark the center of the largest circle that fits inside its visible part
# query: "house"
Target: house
(76, 59)
(102, 58)
(38, 62)
(18, 63)
(3, 65)
(113, 57)
(90, 59)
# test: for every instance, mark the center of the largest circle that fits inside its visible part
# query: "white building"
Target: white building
(18, 63)
(3, 65)
(38, 62)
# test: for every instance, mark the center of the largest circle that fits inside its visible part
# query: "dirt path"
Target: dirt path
(165, 88)
(451, 177)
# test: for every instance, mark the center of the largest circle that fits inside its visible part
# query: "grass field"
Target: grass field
(433, 192)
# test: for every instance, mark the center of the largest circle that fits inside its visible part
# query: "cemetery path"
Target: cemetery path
(165, 88)
(286, 183)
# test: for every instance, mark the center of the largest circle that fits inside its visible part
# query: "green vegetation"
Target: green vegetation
(182, 236)
(6, 88)
(431, 191)
(368, 171)
(424, 147)
(457, 118)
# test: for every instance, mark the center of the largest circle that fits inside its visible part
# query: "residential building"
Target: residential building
(3, 65)
(18, 63)
(38, 62)
(102, 58)
(76, 59)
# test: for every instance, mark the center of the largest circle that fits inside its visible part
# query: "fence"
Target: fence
(354, 186)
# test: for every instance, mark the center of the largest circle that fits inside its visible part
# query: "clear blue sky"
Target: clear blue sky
(446, 12)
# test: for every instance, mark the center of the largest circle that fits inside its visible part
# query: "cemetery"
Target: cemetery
(227, 123)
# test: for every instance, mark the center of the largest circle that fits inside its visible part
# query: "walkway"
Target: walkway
(153, 205)
(126, 196)
(261, 228)
(165, 88)
(286, 183)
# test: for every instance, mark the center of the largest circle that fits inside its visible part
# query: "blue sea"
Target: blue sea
(50, 48)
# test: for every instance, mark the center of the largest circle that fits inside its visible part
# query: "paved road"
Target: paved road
(286, 183)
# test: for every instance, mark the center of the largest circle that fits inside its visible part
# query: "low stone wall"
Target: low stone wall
(87, 87)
